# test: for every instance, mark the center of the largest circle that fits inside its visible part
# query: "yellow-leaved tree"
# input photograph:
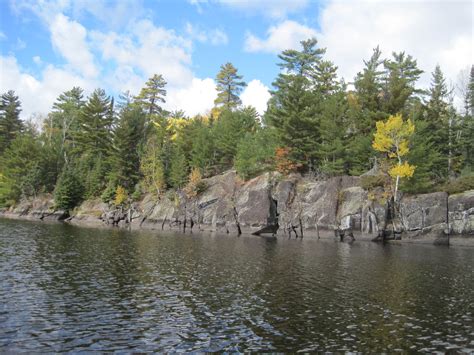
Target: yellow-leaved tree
(392, 138)
(195, 184)
(120, 196)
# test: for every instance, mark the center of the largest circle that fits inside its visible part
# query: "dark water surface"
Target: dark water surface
(64, 288)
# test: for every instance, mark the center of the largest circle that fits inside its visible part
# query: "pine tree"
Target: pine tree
(438, 122)
(255, 153)
(229, 86)
(399, 90)
(95, 121)
(69, 190)
(333, 152)
(65, 119)
(203, 146)
(178, 174)
(228, 131)
(153, 95)
(19, 166)
(293, 108)
(127, 144)
(10, 123)
(466, 129)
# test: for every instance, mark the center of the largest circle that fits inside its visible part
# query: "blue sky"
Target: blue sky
(48, 46)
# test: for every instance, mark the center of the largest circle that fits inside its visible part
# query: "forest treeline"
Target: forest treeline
(90, 147)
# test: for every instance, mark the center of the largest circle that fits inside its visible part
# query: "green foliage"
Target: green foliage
(127, 143)
(255, 153)
(95, 120)
(229, 129)
(294, 107)
(371, 182)
(63, 122)
(88, 148)
(458, 185)
(109, 193)
(20, 166)
(152, 95)
(202, 146)
(179, 168)
(152, 168)
(10, 123)
(69, 190)
(333, 148)
(229, 86)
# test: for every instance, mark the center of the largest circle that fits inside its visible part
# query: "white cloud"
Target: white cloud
(37, 60)
(194, 99)
(38, 94)
(69, 39)
(288, 34)
(215, 36)
(433, 32)
(270, 8)
(3, 36)
(257, 95)
(148, 49)
(112, 14)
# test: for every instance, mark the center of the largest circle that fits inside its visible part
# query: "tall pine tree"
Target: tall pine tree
(10, 123)
(229, 86)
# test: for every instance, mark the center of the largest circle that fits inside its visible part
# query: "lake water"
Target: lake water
(64, 288)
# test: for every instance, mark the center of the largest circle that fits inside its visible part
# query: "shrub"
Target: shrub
(121, 196)
(461, 184)
(69, 191)
(370, 182)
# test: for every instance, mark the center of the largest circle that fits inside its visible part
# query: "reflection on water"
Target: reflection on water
(64, 288)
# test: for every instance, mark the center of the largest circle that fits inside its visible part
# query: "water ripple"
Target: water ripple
(64, 289)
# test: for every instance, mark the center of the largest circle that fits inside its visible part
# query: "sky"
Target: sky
(49, 46)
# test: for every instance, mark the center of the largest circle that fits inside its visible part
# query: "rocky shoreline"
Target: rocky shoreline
(291, 206)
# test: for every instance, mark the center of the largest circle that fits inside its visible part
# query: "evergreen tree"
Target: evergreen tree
(294, 107)
(365, 109)
(69, 190)
(229, 129)
(229, 86)
(127, 145)
(65, 119)
(178, 175)
(19, 166)
(333, 151)
(153, 95)
(438, 122)
(466, 129)
(95, 121)
(402, 73)
(10, 123)
(255, 153)
(202, 154)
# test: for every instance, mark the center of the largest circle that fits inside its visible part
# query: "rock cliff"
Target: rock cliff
(291, 206)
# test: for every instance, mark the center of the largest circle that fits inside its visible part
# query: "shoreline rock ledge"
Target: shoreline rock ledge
(290, 206)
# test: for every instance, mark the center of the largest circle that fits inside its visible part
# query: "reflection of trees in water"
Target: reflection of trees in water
(267, 292)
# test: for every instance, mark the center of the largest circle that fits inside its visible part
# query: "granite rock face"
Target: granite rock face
(292, 206)
(425, 216)
(461, 213)
(41, 208)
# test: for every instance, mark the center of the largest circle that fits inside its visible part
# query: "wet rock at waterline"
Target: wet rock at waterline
(291, 206)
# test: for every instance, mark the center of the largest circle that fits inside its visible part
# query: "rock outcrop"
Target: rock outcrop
(41, 208)
(291, 206)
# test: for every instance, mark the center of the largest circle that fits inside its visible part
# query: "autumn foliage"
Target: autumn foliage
(120, 196)
(392, 138)
(283, 163)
